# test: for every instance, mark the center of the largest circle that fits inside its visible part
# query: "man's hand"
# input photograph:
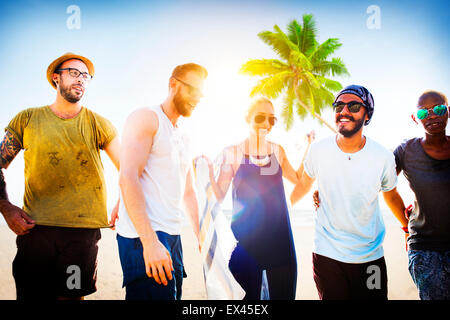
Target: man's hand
(17, 219)
(316, 199)
(311, 137)
(408, 211)
(158, 262)
(114, 215)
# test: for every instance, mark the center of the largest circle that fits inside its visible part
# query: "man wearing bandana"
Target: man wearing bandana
(351, 169)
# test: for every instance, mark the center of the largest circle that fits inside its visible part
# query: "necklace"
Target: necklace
(257, 160)
(260, 160)
(363, 141)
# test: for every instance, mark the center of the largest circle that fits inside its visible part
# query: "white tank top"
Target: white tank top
(163, 181)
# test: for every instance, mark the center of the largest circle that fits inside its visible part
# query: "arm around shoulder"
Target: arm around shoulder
(301, 188)
(396, 205)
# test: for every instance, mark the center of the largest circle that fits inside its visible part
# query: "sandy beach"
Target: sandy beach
(109, 284)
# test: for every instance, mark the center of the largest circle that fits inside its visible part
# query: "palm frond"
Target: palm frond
(328, 83)
(294, 32)
(311, 79)
(304, 95)
(327, 96)
(335, 67)
(278, 41)
(287, 113)
(323, 99)
(312, 100)
(324, 50)
(301, 112)
(263, 67)
(299, 61)
(308, 41)
(272, 86)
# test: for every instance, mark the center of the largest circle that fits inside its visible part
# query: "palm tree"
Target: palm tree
(301, 74)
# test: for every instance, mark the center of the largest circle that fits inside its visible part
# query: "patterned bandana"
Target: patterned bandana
(365, 96)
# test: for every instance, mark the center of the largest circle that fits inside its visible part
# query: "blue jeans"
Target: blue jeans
(430, 271)
(138, 285)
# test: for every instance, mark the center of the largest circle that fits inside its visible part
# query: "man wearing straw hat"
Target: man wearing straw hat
(64, 203)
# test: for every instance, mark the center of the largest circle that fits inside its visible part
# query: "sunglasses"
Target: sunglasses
(353, 106)
(260, 118)
(192, 91)
(438, 110)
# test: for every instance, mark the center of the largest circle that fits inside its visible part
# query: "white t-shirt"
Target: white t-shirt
(348, 224)
(163, 180)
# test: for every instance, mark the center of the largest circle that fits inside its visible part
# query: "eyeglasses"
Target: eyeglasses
(75, 73)
(260, 118)
(353, 106)
(193, 91)
(438, 110)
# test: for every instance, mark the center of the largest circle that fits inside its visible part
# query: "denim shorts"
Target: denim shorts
(430, 271)
(138, 285)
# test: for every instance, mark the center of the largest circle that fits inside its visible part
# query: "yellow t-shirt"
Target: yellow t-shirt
(64, 182)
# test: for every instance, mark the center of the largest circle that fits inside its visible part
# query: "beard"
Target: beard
(182, 106)
(67, 94)
(358, 125)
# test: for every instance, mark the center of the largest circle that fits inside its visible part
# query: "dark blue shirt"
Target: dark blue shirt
(260, 219)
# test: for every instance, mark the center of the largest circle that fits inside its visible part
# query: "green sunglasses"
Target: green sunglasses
(438, 110)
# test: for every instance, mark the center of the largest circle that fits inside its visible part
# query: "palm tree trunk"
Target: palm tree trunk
(315, 115)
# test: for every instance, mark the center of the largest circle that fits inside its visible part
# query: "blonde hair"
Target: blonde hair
(254, 105)
(181, 70)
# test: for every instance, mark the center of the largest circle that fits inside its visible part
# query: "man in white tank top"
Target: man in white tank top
(155, 179)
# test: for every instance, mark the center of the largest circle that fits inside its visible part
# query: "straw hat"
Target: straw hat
(67, 56)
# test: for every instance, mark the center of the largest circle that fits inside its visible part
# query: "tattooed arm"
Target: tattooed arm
(9, 148)
(18, 221)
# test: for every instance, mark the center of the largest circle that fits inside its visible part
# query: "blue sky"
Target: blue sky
(136, 44)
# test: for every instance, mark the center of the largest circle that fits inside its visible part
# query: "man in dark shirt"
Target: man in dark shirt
(426, 165)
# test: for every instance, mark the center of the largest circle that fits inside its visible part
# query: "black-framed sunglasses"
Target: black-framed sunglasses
(75, 73)
(353, 106)
(193, 91)
(260, 118)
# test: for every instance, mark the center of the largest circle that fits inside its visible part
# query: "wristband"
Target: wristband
(405, 229)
